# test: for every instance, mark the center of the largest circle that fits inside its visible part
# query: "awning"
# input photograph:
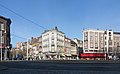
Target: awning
(93, 55)
(68, 55)
(52, 54)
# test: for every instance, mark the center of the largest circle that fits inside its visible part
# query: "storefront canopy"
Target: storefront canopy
(93, 55)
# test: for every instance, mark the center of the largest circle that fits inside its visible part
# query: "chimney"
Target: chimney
(56, 28)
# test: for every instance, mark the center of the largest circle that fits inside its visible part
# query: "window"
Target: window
(110, 49)
(109, 32)
(110, 42)
(91, 38)
(118, 44)
(96, 39)
(95, 50)
(1, 37)
(96, 47)
(96, 44)
(105, 32)
(105, 49)
(52, 45)
(114, 43)
(96, 34)
(101, 35)
(85, 45)
(52, 42)
(1, 26)
(86, 50)
(52, 38)
(86, 36)
(109, 38)
(105, 37)
(91, 50)
(91, 34)
(105, 43)
(91, 45)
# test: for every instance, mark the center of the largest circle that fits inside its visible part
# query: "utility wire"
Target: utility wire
(18, 36)
(22, 17)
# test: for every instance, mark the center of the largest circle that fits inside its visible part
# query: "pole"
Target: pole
(1, 45)
(27, 49)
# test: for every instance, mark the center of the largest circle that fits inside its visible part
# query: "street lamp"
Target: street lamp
(1, 45)
(2, 40)
(27, 48)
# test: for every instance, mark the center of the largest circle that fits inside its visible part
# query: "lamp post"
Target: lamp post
(6, 48)
(1, 45)
(27, 48)
(105, 52)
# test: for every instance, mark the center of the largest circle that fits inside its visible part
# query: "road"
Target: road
(58, 67)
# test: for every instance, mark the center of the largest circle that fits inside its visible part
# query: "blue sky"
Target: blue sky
(70, 16)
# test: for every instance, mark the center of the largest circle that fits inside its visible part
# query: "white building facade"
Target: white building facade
(116, 47)
(97, 41)
(93, 41)
(108, 41)
(52, 43)
(101, 41)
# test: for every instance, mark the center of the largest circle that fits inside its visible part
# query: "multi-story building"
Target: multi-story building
(78, 42)
(79, 46)
(108, 42)
(74, 52)
(36, 48)
(116, 48)
(5, 37)
(21, 47)
(52, 43)
(100, 43)
(93, 41)
(71, 48)
(17, 54)
(67, 48)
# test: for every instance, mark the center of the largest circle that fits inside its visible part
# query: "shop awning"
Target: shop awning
(93, 55)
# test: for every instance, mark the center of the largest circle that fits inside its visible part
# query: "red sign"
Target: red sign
(93, 55)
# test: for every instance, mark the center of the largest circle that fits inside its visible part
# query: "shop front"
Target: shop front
(93, 56)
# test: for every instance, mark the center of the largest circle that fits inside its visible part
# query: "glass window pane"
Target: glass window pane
(1, 37)
(1, 26)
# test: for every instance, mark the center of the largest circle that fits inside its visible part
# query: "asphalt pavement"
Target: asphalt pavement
(58, 67)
